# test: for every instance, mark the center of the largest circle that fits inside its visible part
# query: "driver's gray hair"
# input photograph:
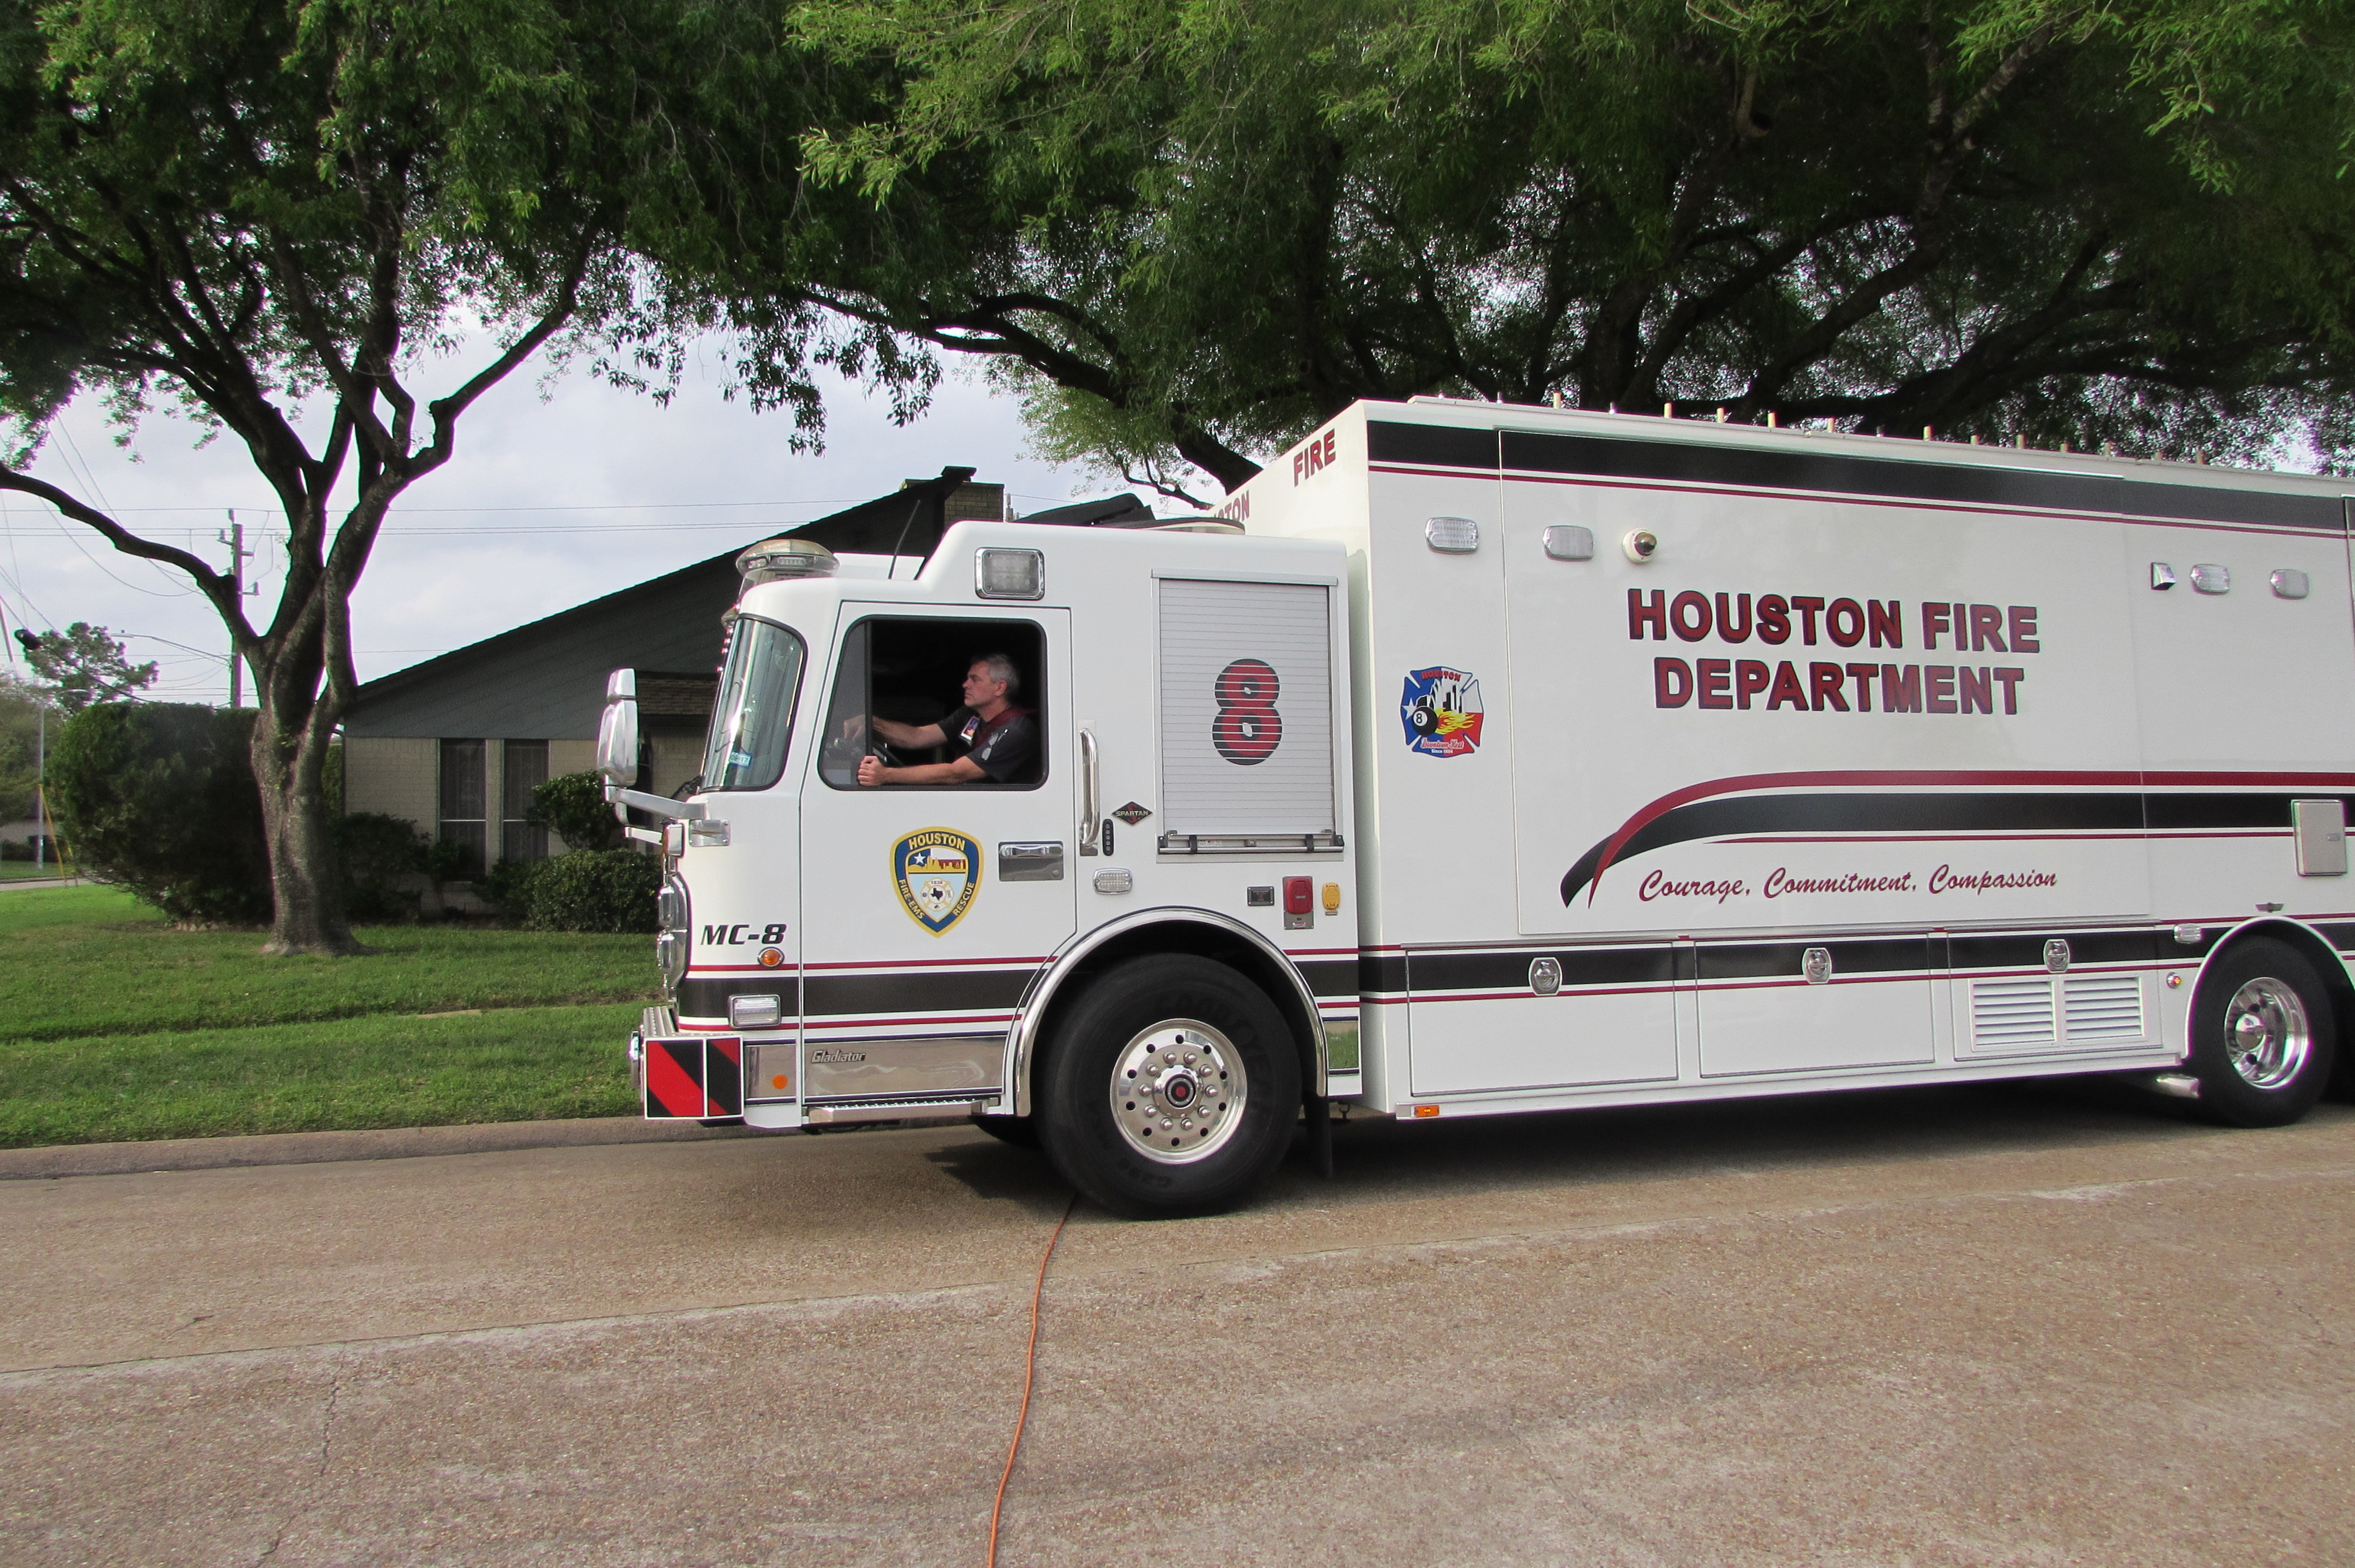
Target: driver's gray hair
(1001, 668)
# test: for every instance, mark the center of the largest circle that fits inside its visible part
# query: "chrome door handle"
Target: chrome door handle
(1030, 863)
(1090, 800)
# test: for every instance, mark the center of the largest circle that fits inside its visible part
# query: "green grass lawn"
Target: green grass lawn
(26, 871)
(113, 1025)
(521, 1063)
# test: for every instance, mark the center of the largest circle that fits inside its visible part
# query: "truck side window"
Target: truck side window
(909, 672)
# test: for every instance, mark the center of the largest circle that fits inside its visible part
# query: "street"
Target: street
(2034, 1325)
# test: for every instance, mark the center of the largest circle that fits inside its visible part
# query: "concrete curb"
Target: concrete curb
(314, 1148)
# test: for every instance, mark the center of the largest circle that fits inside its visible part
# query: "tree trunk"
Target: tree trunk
(305, 876)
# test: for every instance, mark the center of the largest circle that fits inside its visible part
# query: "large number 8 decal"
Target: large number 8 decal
(1248, 729)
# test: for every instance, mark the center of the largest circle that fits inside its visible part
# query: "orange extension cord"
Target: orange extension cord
(1029, 1371)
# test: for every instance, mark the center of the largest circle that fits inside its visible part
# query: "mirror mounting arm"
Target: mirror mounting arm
(660, 805)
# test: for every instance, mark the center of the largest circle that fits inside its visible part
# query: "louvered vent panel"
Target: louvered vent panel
(2101, 1007)
(1205, 629)
(2012, 1015)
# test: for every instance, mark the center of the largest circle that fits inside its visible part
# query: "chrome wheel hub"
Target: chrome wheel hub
(2266, 1033)
(1178, 1091)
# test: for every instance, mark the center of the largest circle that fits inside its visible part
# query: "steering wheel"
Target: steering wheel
(842, 752)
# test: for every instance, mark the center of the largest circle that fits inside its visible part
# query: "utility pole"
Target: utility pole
(41, 790)
(238, 555)
(26, 636)
(41, 764)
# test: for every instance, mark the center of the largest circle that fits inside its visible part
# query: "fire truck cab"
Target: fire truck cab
(838, 953)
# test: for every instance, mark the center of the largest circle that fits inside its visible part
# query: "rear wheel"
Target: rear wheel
(2262, 1035)
(1170, 1088)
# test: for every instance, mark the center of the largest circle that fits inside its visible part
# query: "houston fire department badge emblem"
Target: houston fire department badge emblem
(1440, 709)
(938, 870)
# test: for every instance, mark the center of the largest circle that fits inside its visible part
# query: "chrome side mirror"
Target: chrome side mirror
(617, 732)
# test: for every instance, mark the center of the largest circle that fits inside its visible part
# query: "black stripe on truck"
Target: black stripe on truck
(1430, 973)
(917, 990)
(1329, 978)
(1783, 960)
(833, 995)
(708, 998)
(1581, 967)
(1440, 446)
(1381, 974)
(1976, 484)
(1843, 811)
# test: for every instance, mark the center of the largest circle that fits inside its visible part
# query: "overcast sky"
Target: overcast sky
(546, 504)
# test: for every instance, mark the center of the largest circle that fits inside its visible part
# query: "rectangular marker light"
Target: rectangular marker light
(754, 1011)
(1010, 574)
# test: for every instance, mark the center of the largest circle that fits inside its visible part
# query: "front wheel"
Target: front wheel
(2262, 1035)
(1170, 1088)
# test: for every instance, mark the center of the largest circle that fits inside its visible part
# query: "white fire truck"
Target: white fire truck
(1486, 758)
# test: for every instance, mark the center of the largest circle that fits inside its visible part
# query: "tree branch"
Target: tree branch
(217, 588)
(446, 410)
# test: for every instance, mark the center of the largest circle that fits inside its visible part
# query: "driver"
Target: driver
(995, 740)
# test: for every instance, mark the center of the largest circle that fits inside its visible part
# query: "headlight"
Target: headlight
(671, 947)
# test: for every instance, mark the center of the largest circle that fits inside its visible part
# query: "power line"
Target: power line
(405, 510)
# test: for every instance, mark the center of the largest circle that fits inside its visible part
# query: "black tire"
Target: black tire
(1216, 1029)
(2264, 1039)
(1021, 1131)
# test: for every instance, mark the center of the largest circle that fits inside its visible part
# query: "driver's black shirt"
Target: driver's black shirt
(1005, 748)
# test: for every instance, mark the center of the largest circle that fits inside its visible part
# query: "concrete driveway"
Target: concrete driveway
(2032, 1326)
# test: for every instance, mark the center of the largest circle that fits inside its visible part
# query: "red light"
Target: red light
(1298, 895)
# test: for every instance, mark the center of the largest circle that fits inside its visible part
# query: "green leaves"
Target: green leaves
(1221, 220)
(85, 664)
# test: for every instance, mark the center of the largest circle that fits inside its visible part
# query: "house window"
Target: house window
(464, 793)
(524, 769)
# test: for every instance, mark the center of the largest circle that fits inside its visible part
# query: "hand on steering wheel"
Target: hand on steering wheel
(846, 745)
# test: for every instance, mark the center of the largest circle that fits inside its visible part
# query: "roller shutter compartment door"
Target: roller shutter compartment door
(1246, 708)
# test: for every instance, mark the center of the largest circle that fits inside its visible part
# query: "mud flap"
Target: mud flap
(695, 1077)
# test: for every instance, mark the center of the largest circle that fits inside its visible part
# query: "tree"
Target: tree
(84, 664)
(274, 214)
(1193, 229)
(20, 747)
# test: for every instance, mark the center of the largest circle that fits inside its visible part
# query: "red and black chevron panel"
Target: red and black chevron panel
(723, 1077)
(695, 1077)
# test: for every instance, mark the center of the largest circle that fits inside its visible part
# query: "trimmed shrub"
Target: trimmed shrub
(159, 797)
(506, 888)
(595, 890)
(380, 854)
(572, 806)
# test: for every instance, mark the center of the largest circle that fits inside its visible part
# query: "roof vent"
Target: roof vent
(772, 560)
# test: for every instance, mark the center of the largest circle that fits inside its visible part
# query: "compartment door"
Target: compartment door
(1246, 705)
(1795, 1007)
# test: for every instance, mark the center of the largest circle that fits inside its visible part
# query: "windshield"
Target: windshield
(753, 718)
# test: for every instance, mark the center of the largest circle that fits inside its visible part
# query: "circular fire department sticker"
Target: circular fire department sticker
(938, 870)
